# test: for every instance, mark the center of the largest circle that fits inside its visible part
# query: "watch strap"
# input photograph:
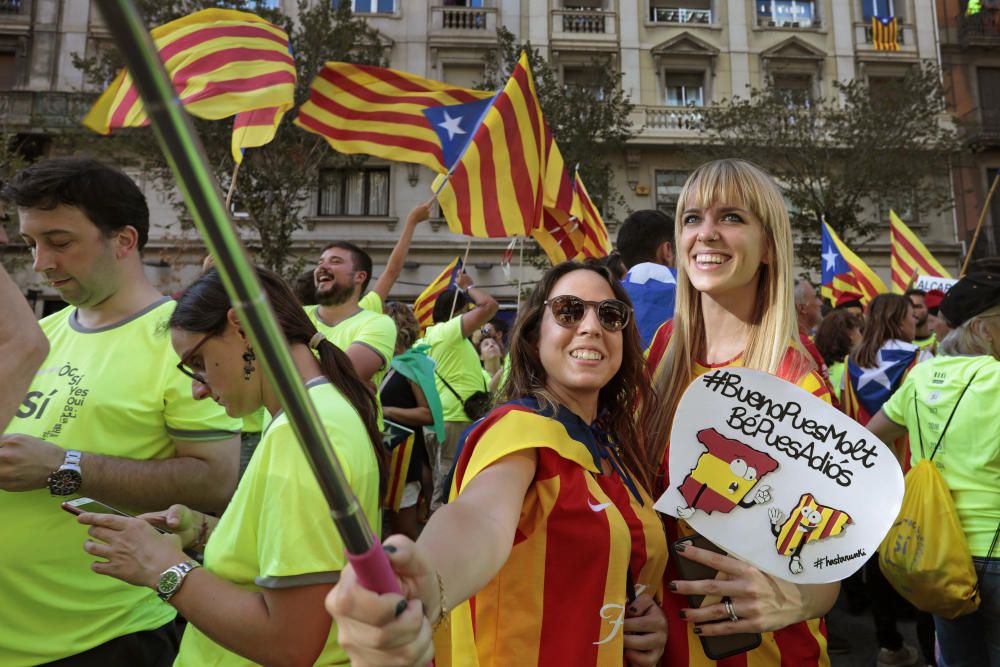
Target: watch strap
(181, 570)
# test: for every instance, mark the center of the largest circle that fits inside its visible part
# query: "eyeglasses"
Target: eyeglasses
(182, 364)
(568, 311)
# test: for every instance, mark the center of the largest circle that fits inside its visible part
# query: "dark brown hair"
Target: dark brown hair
(204, 307)
(833, 337)
(885, 317)
(619, 401)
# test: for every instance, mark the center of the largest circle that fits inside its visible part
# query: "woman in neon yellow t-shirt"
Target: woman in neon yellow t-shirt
(274, 554)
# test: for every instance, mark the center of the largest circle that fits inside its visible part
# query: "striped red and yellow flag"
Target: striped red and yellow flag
(844, 272)
(423, 307)
(399, 465)
(495, 188)
(379, 111)
(596, 242)
(222, 62)
(885, 33)
(559, 235)
(910, 256)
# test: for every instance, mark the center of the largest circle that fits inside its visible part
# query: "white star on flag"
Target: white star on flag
(874, 375)
(452, 125)
(831, 260)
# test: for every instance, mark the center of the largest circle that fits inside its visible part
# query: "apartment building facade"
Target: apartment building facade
(676, 57)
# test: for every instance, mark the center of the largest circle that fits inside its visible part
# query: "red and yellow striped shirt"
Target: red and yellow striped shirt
(560, 598)
(802, 644)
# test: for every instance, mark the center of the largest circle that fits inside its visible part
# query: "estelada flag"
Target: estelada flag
(399, 440)
(885, 33)
(381, 112)
(909, 256)
(423, 307)
(222, 63)
(494, 186)
(844, 272)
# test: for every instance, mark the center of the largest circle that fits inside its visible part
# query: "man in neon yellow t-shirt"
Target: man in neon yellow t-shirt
(367, 337)
(458, 367)
(107, 416)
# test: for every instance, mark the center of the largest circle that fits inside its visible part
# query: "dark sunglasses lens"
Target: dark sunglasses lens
(613, 315)
(567, 310)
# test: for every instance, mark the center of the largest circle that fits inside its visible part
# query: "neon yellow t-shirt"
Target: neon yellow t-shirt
(276, 532)
(929, 343)
(114, 391)
(372, 302)
(969, 456)
(458, 362)
(373, 330)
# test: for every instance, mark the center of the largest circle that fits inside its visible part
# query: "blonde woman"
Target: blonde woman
(734, 308)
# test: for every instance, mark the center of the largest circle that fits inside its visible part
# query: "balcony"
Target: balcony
(584, 24)
(15, 15)
(666, 123)
(982, 128)
(804, 24)
(982, 29)
(680, 15)
(463, 23)
(27, 110)
(865, 40)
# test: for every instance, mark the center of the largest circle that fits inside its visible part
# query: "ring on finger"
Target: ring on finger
(728, 603)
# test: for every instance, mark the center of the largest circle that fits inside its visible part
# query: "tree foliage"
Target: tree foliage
(845, 159)
(590, 123)
(274, 181)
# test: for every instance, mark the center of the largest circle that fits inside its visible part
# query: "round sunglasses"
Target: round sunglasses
(568, 311)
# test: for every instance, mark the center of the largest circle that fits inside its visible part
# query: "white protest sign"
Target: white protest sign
(927, 283)
(778, 477)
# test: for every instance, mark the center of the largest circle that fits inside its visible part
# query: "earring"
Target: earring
(248, 358)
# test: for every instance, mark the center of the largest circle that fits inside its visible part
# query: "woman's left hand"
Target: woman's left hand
(761, 602)
(645, 629)
(135, 552)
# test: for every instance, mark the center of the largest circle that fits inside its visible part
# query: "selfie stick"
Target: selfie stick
(186, 156)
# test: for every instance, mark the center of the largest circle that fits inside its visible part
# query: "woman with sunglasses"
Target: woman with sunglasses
(734, 308)
(274, 553)
(549, 551)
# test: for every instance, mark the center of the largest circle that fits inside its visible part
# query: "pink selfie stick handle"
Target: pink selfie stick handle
(374, 571)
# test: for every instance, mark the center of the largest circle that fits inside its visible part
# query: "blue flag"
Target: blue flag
(455, 126)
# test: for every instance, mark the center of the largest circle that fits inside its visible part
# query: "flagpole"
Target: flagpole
(979, 226)
(520, 277)
(465, 260)
(186, 156)
(232, 187)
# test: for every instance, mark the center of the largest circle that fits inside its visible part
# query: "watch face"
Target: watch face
(169, 581)
(64, 482)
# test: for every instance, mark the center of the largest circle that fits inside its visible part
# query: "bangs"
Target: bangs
(719, 182)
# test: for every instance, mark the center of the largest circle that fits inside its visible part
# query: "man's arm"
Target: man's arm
(366, 361)
(486, 306)
(202, 475)
(394, 266)
(23, 348)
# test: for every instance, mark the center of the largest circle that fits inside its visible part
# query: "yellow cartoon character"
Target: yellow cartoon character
(724, 476)
(809, 522)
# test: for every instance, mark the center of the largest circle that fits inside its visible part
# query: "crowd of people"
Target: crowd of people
(520, 523)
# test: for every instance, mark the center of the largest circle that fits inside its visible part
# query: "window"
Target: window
(989, 90)
(685, 89)
(464, 75)
(882, 8)
(668, 190)
(8, 70)
(786, 13)
(479, 4)
(369, 6)
(584, 79)
(796, 87)
(363, 192)
(680, 11)
(988, 244)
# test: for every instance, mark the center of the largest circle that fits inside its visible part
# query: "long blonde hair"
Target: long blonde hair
(773, 325)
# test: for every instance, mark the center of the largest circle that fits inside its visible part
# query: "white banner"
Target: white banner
(927, 283)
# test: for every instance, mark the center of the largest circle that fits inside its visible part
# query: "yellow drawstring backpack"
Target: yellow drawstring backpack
(925, 556)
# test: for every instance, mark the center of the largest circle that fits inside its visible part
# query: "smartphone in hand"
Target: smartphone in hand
(716, 648)
(80, 506)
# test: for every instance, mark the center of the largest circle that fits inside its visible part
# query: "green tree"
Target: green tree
(847, 158)
(274, 181)
(589, 122)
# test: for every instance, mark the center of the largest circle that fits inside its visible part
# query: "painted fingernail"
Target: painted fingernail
(672, 586)
(697, 630)
(683, 615)
(401, 607)
(680, 546)
(389, 549)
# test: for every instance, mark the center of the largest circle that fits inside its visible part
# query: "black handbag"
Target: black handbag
(475, 406)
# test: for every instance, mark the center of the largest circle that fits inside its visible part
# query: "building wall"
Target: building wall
(725, 40)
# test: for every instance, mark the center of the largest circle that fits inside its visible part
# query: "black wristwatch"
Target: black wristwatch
(67, 480)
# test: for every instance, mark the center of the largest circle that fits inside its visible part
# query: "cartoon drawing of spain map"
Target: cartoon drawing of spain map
(773, 475)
